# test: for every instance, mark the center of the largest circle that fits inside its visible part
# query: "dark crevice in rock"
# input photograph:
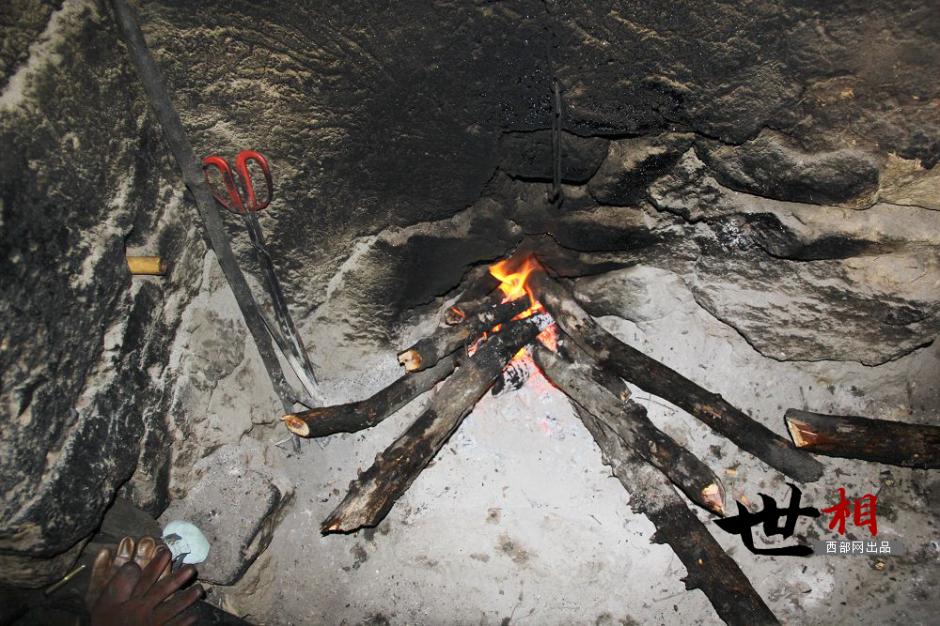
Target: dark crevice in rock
(767, 167)
(768, 233)
(769, 353)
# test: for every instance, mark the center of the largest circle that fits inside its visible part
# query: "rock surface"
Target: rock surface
(632, 163)
(767, 166)
(83, 179)
(807, 282)
(827, 310)
(236, 499)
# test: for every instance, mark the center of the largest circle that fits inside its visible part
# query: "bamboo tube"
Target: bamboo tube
(146, 265)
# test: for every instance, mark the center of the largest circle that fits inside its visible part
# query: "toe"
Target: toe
(124, 554)
(100, 573)
(146, 548)
(153, 572)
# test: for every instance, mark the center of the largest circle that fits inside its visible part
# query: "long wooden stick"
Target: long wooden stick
(709, 567)
(658, 379)
(372, 495)
(182, 150)
(852, 437)
(629, 421)
(448, 339)
(355, 416)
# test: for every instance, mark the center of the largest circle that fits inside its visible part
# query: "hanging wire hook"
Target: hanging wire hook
(557, 197)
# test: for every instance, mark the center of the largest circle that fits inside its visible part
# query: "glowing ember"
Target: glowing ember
(549, 337)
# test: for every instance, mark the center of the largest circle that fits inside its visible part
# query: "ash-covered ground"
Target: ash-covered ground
(517, 518)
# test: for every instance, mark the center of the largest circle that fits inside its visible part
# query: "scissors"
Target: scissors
(247, 206)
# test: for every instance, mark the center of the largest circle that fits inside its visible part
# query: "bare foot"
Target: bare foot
(135, 586)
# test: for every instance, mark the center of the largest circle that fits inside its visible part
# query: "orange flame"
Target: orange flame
(512, 277)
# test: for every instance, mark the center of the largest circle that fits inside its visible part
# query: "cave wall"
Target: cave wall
(778, 157)
(84, 178)
(381, 127)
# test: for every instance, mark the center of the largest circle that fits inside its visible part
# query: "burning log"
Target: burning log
(448, 339)
(609, 402)
(461, 310)
(656, 378)
(852, 437)
(481, 293)
(355, 416)
(709, 567)
(372, 495)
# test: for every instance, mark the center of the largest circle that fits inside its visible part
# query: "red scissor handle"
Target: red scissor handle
(241, 165)
(234, 202)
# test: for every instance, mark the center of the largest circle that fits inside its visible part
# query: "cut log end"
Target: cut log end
(296, 425)
(800, 432)
(865, 438)
(714, 497)
(411, 359)
(331, 526)
(454, 315)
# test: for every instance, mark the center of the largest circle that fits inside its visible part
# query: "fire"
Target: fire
(513, 275)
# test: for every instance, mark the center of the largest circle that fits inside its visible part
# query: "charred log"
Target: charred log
(610, 402)
(448, 339)
(852, 437)
(372, 495)
(658, 379)
(355, 416)
(462, 310)
(709, 567)
(481, 293)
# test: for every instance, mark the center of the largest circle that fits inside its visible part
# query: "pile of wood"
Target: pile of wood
(477, 339)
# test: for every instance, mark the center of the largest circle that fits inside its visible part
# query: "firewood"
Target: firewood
(578, 379)
(660, 380)
(708, 566)
(853, 437)
(448, 339)
(481, 293)
(479, 281)
(372, 495)
(463, 309)
(356, 416)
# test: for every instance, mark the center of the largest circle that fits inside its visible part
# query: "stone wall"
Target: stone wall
(84, 179)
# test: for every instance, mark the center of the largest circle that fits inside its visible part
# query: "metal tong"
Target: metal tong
(284, 333)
